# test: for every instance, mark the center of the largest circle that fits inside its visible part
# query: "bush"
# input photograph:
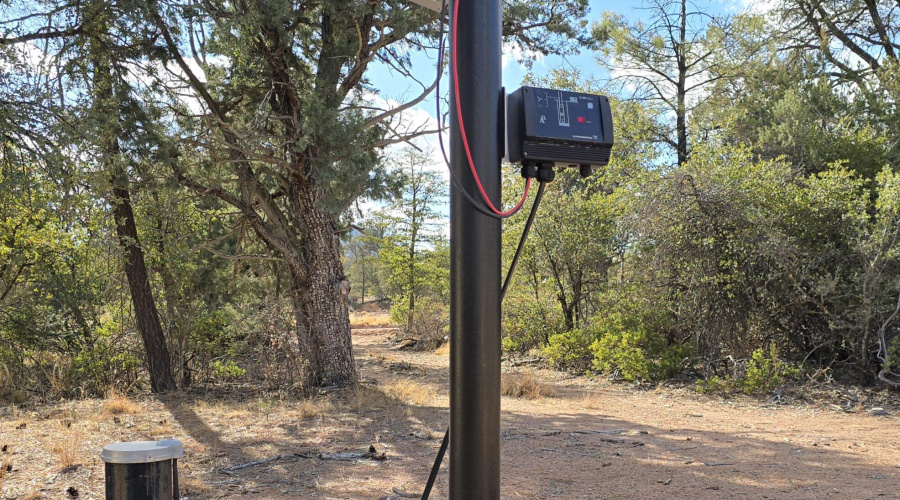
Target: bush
(634, 344)
(766, 371)
(571, 350)
(527, 325)
(714, 385)
(639, 355)
(430, 322)
(228, 370)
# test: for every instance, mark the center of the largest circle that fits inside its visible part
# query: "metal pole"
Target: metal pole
(475, 259)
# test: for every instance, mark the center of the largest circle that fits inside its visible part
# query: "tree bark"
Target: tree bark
(320, 295)
(106, 111)
(681, 92)
(145, 313)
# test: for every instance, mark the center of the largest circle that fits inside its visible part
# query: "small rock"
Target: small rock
(878, 412)
(72, 491)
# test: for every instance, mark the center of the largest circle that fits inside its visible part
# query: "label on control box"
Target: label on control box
(559, 114)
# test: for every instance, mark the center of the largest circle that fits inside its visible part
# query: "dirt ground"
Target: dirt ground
(667, 443)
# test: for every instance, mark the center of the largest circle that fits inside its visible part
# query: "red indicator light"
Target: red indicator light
(580, 119)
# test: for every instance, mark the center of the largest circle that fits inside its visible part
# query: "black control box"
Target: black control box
(557, 126)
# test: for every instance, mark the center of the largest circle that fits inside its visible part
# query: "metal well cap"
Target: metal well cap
(141, 452)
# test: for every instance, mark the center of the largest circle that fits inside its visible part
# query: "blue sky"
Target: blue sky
(394, 87)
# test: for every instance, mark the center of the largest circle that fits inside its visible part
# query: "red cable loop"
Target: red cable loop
(462, 129)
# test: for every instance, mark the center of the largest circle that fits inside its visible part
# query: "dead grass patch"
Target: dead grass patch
(443, 350)
(409, 391)
(590, 401)
(118, 404)
(313, 408)
(393, 394)
(370, 319)
(524, 385)
(64, 445)
(367, 397)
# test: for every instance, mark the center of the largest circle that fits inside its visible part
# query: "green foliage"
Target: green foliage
(714, 385)
(892, 359)
(634, 343)
(529, 324)
(430, 324)
(228, 370)
(766, 371)
(571, 350)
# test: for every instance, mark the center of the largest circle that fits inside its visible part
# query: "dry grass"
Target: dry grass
(409, 392)
(314, 408)
(370, 319)
(118, 404)
(591, 401)
(524, 385)
(392, 395)
(366, 397)
(65, 446)
(443, 350)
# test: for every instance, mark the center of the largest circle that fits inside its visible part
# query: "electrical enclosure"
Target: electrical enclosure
(568, 129)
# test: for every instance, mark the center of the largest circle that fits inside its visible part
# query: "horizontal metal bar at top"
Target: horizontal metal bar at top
(434, 5)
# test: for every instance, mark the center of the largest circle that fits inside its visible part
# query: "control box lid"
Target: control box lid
(140, 452)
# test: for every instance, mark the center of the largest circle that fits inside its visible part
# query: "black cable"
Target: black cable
(528, 223)
(437, 104)
(432, 476)
(437, 465)
(509, 274)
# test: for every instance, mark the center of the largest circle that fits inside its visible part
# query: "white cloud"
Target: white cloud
(409, 121)
(514, 51)
(759, 6)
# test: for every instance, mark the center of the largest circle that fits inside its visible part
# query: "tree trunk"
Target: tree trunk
(106, 111)
(681, 92)
(145, 313)
(412, 280)
(319, 296)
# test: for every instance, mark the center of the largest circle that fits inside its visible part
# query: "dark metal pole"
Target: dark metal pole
(475, 259)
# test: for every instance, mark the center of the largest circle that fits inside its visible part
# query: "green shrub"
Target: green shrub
(715, 385)
(892, 365)
(430, 321)
(634, 344)
(527, 325)
(228, 370)
(571, 350)
(766, 371)
(639, 355)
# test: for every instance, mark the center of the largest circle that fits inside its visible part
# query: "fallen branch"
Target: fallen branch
(371, 454)
(526, 362)
(403, 494)
(255, 463)
(609, 432)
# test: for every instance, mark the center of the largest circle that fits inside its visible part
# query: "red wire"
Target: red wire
(462, 129)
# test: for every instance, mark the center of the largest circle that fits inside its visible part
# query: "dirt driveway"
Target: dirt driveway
(591, 440)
